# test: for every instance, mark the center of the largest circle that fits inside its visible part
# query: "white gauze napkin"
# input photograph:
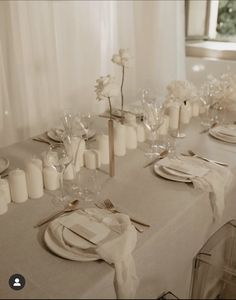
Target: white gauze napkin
(216, 182)
(118, 251)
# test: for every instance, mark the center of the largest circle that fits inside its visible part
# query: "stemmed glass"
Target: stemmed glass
(152, 119)
(60, 156)
(83, 122)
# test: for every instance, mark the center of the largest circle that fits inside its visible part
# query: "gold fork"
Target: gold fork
(103, 206)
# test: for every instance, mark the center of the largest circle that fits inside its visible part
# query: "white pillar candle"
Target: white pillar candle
(141, 135)
(174, 116)
(131, 137)
(185, 112)
(4, 185)
(163, 130)
(130, 119)
(3, 202)
(195, 109)
(119, 139)
(18, 186)
(34, 178)
(69, 173)
(103, 147)
(92, 159)
(51, 178)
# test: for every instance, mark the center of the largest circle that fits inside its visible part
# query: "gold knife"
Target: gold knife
(162, 155)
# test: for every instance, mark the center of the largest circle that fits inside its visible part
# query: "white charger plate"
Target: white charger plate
(159, 170)
(58, 249)
(4, 164)
(213, 132)
(53, 136)
(68, 244)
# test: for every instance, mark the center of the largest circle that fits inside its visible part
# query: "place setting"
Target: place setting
(224, 132)
(103, 232)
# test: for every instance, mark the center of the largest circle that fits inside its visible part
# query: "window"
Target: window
(214, 22)
(211, 20)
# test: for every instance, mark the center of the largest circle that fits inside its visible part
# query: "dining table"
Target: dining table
(180, 217)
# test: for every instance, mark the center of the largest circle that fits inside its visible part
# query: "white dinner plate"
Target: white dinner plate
(213, 132)
(56, 247)
(176, 173)
(69, 245)
(4, 164)
(159, 170)
(54, 136)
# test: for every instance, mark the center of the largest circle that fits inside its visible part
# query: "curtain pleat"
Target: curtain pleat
(51, 53)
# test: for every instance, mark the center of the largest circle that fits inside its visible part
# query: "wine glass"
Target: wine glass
(60, 157)
(84, 121)
(152, 119)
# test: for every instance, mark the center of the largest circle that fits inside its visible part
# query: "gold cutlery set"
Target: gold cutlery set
(106, 204)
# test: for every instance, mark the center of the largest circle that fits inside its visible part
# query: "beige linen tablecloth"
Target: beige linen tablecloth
(181, 219)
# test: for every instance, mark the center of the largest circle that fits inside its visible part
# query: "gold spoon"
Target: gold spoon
(73, 205)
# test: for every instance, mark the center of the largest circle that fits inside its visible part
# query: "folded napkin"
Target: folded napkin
(119, 252)
(204, 175)
(215, 181)
(115, 249)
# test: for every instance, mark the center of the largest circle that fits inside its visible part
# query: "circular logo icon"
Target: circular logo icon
(17, 282)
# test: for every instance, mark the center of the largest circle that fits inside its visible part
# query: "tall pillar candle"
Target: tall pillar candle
(92, 159)
(141, 134)
(51, 178)
(131, 137)
(3, 202)
(18, 186)
(185, 112)
(174, 116)
(34, 178)
(4, 185)
(103, 147)
(119, 139)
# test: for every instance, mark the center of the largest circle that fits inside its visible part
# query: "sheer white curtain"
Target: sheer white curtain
(51, 53)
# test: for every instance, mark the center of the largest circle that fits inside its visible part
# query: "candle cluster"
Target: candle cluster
(22, 184)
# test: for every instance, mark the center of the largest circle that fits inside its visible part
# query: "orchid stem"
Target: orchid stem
(109, 100)
(121, 91)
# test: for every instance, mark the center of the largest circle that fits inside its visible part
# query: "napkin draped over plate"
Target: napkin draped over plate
(216, 182)
(119, 252)
(215, 179)
(115, 249)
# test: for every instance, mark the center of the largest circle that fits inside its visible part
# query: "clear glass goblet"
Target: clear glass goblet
(60, 157)
(152, 119)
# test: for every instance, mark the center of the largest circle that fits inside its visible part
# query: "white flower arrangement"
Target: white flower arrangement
(123, 59)
(180, 91)
(106, 88)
